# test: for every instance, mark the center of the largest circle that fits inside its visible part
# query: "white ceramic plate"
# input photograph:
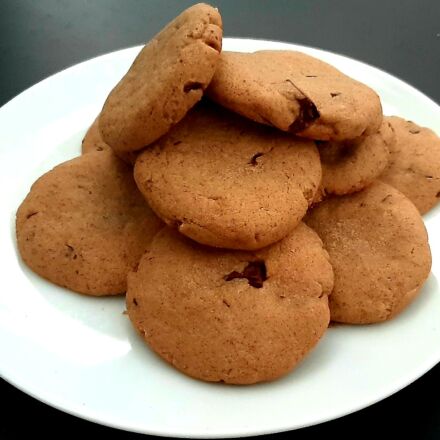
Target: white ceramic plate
(81, 355)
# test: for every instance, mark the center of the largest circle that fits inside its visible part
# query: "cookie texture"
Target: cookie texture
(228, 182)
(414, 167)
(93, 140)
(350, 166)
(231, 316)
(297, 93)
(379, 251)
(84, 225)
(166, 79)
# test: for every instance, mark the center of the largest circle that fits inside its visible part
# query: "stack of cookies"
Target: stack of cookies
(241, 200)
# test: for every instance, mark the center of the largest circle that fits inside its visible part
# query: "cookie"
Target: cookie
(350, 166)
(297, 93)
(84, 225)
(166, 79)
(228, 182)
(414, 167)
(93, 141)
(231, 316)
(379, 251)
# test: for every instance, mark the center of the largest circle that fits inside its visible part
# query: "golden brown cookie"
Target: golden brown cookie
(350, 166)
(297, 93)
(414, 167)
(232, 316)
(93, 140)
(84, 225)
(379, 251)
(166, 79)
(228, 182)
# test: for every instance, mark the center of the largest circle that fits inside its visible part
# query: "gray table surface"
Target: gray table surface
(41, 37)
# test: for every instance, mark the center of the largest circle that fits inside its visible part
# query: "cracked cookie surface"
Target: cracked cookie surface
(232, 316)
(379, 251)
(84, 225)
(297, 93)
(228, 182)
(414, 167)
(166, 79)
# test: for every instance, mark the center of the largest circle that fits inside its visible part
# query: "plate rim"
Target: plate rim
(94, 416)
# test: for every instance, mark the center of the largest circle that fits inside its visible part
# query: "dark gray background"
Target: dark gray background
(41, 37)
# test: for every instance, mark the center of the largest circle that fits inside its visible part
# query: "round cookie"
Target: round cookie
(414, 167)
(297, 93)
(350, 166)
(166, 79)
(84, 225)
(231, 316)
(228, 182)
(93, 141)
(379, 251)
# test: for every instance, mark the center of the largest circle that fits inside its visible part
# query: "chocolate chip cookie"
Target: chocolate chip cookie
(166, 79)
(350, 166)
(228, 182)
(84, 225)
(379, 251)
(231, 316)
(414, 167)
(297, 93)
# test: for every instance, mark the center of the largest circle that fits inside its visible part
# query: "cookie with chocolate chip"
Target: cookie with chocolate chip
(228, 182)
(166, 79)
(350, 166)
(414, 167)
(84, 225)
(296, 93)
(231, 316)
(379, 251)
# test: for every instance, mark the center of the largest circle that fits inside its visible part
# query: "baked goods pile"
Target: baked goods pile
(241, 200)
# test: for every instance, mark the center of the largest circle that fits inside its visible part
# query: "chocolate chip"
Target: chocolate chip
(307, 114)
(31, 214)
(135, 302)
(254, 158)
(334, 94)
(438, 194)
(191, 85)
(71, 252)
(255, 272)
(226, 303)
